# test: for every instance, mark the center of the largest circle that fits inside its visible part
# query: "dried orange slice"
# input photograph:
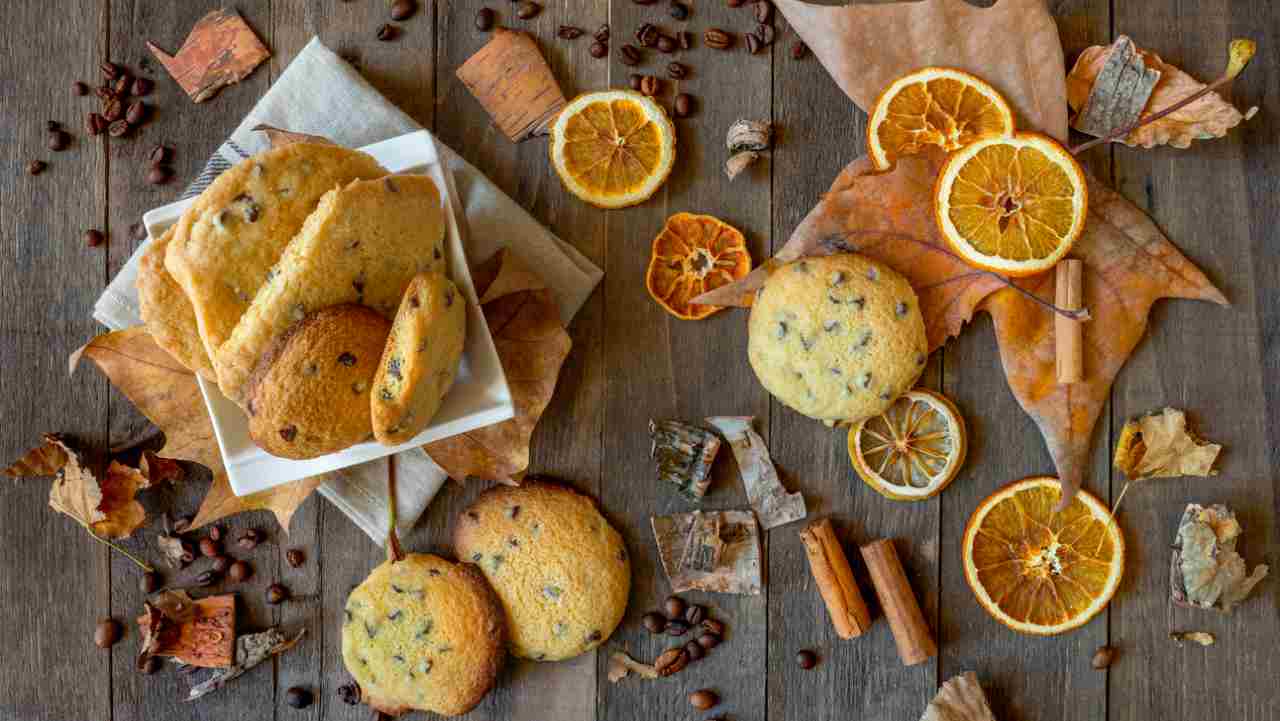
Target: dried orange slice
(913, 450)
(1013, 205)
(692, 255)
(613, 148)
(944, 107)
(1039, 571)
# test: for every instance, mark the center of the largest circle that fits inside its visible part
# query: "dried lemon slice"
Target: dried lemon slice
(941, 107)
(911, 451)
(613, 148)
(1037, 570)
(1013, 205)
(692, 255)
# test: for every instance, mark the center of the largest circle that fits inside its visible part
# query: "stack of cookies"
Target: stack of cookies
(311, 286)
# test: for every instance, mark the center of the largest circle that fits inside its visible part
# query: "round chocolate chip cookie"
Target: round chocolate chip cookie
(561, 571)
(838, 337)
(423, 634)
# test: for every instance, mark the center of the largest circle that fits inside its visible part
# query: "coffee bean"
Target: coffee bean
(674, 606)
(678, 10)
(109, 71)
(708, 641)
(636, 80)
(80, 88)
(349, 693)
(142, 86)
(250, 539)
(150, 582)
(683, 105)
(113, 110)
(649, 85)
(36, 167)
(685, 38)
(118, 129)
(695, 614)
(277, 594)
(653, 621)
(1103, 657)
(137, 111)
(630, 55)
(403, 9)
(58, 140)
(107, 633)
(294, 557)
(764, 11)
(753, 43)
(484, 20)
(239, 571)
(298, 697)
(94, 124)
(703, 700)
(598, 49)
(387, 32)
(799, 50)
(677, 71)
(151, 665)
(528, 9)
(569, 32)
(647, 35)
(666, 44)
(766, 33)
(122, 85)
(159, 155)
(94, 237)
(695, 651)
(602, 33)
(713, 626)
(676, 627)
(673, 660)
(717, 39)
(104, 93)
(806, 659)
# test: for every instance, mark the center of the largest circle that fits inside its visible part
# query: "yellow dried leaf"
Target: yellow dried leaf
(1158, 445)
(104, 507)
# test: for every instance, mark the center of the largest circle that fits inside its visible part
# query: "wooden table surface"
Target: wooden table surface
(1219, 201)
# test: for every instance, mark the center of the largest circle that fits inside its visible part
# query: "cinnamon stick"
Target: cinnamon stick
(831, 571)
(1068, 334)
(910, 632)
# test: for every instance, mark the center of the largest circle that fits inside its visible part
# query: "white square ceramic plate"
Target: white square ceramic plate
(479, 396)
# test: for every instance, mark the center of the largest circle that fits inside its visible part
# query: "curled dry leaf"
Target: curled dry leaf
(532, 345)
(1158, 445)
(1206, 571)
(1207, 118)
(621, 663)
(960, 699)
(166, 392)
(251, 650)
(221, 50)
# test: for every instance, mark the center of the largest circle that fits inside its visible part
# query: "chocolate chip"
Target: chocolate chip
(288, 433)
(900, 309)
(513, 511)
(865, 380)
(873, 274)
(391, 186)
(385, 394)
(831, 326)
(552, 592)
(782, 330)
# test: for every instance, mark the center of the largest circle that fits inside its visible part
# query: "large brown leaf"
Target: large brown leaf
(166, 392)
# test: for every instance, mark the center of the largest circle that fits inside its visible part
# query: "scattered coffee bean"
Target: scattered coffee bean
(104, 93)
(676, 627)
(678, 10)
(94, 237)
(569, 32)
(653, 621)
(806, 659)
(630, 55)
(209, 547)
(159, 155)
(484, 20)
(753, 43)
(250, 539)
(221, 563)
(1103, 657)
(239, 571)
(58, 140)
(158, 175)
(703, 700)
(142, 86)
(403, 9)
(387, 32)
(349, 693)
(137, 111)
(109, 71)
(677, 71)
(294, 557)
(528, 9)
(651, 86)
(667, 44)
(151, 665)
(150, 582)
(94, 124)
(113, 110)
(277, 594)
(766, 33)
(673, 660)
(602, 33)
(635, 80)
(298, 697)
(118, 129)
(799, 50)
(695, 614)
(764, 11)
(683, 105)
(685, 38)
(711, 625)
(674, 606)
(708, 641)
(80, 88)
(122, 85)
(647, 35)
(36, 167)
(717, 39)
(695, 651)
(598, 49)
(107, 633)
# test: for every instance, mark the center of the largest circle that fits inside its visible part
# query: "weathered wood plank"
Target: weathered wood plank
(1206, 359)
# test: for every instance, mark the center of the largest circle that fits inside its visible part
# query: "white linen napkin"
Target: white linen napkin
(321, 94)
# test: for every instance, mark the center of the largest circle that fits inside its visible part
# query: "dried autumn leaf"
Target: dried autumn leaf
(166, 392)
(532, 345)
(1207, 118)
(221, 50)
(1158, 445)
(1206, 571)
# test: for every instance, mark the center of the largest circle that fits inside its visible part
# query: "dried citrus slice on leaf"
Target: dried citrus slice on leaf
(911, 451)
(1036, 570)
(692, 255)
(613, 148)
(1013, 205)
(942, 107)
